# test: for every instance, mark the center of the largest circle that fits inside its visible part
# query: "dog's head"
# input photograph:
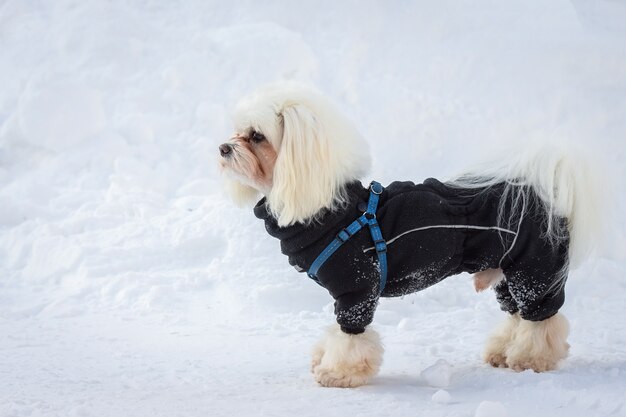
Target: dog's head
(294, 147)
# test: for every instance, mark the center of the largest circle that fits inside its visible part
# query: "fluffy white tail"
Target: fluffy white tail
(565, 181)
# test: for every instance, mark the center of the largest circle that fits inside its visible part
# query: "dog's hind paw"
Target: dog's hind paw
(538, 345)
(496, 360)
(536, 364)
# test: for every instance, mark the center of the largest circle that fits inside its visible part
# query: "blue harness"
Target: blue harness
(368, 218)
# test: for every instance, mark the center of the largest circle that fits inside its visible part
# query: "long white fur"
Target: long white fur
(240, 193)
(499, 341)
(319, 151)
(346, 360)
(538, 345)
(522, 344)
(568, 185)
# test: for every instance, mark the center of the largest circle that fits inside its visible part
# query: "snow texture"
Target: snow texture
(131, 286)
(491, 409)
(442, 396)
(437, 375)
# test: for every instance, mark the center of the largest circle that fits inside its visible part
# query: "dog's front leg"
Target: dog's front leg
(346, 360)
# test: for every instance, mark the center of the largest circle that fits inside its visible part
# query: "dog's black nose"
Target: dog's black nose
(225, 149)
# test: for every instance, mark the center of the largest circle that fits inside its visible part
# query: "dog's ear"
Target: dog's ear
(241, 194)
(305, 177)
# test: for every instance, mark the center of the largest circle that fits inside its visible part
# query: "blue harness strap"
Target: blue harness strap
(368, 218)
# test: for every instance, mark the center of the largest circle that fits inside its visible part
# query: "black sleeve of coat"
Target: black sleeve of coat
(504, 297)
(355, 310)
(537, 275)
(353, 280)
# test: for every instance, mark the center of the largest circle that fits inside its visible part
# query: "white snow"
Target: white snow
(442, 396)
(491, 409)
(130, 285)
(437, 375)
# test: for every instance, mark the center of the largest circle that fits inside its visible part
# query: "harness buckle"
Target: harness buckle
(367, 218)
(376, 188)
(380, 245)
(343, 235)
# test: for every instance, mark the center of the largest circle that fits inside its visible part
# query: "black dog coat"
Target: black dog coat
(433, 231)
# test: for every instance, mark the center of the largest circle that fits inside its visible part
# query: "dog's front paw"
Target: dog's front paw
(346, 360)
(343, 376)
(316, 357)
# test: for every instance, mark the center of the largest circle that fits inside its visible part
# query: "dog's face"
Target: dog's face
(250, 158)
(292, 146)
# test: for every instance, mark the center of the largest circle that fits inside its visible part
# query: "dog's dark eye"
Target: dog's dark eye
(257, 137)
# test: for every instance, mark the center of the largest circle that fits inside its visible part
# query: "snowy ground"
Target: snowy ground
(130, 286)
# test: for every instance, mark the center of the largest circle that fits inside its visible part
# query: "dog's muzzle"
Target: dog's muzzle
(226, 150)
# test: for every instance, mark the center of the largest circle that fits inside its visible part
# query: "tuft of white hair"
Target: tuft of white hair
(538, 345)
(319, 150)
(239, 191)
(347, 360)
(568, 184)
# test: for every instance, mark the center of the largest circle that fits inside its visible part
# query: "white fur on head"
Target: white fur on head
(239, 192)
(319, 151)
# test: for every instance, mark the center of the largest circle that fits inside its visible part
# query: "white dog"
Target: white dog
(518, 225)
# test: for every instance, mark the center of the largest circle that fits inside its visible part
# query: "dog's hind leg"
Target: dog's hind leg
(538, 345)
(496, 349)
(539, 341)
(522, 344)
